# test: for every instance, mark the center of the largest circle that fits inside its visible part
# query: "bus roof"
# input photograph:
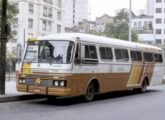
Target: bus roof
(98, 39)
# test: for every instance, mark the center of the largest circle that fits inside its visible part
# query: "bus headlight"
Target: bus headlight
(23, 81)
(62, 83)
(20, 81)
(56, 83)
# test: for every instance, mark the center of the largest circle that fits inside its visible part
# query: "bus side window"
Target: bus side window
(90, 54)
(148, 57)
(136, 56)
(121, 55)
(158, 58)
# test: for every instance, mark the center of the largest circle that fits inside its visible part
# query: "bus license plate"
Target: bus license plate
(36, 90)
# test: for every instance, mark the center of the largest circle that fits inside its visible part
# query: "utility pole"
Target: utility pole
(130, 20)
(3, 46)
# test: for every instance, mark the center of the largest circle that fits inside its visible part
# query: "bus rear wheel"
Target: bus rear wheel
(90, 93)
(143, 89)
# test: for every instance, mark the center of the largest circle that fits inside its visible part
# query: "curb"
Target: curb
(4, 99)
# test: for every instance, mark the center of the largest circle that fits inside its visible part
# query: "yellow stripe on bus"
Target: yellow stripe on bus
(136, 73)
(26, 68)
(33, 39)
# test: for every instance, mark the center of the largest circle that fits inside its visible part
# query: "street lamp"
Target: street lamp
(130, 20)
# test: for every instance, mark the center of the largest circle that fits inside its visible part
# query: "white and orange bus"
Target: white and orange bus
(72, 64)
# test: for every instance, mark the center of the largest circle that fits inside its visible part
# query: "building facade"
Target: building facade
(143, 24)
(150, 7)
(102, 21)
(86, 26)
(75, 11)
(37, 18)
(159, 21)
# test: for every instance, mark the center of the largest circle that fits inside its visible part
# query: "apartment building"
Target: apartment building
(102, 21)
(143, 24)
(159, 21)
(86, 26)
(150, 7)
(75, 11)
(37, 18)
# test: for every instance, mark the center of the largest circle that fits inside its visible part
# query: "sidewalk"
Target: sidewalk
(12, 94)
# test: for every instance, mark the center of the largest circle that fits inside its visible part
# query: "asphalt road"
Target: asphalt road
(125, 105)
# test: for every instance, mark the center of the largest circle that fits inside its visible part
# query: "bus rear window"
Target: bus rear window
(158, 58)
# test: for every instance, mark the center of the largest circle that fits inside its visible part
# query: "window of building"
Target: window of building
(58, 28)
(121, 55)
(136, 56)
(158, 1)
(44, 25)
(45, 11)
(48, 1)
(148, 57)
(106, 53)
(30, 23)
(59, 3)
(31, 8)
(158, 21)
(158, 41)
(50, 13)
(58, 15)
(158, 31)
(14, 40)
(139, 24)
(158, 10)
(49, 26)
(15, 25)
(135, 24)
(158, 58)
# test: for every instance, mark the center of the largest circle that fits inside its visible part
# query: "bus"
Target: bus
(76, 64)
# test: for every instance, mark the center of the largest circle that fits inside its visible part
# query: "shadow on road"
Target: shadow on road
(102, 97)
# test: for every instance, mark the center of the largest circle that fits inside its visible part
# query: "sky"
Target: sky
(100, 7)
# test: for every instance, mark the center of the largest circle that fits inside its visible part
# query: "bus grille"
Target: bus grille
(42, 83)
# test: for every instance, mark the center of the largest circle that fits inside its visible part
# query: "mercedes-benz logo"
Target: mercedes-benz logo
(37, 82)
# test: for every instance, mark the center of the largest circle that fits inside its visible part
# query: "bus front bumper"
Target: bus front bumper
(42, 90)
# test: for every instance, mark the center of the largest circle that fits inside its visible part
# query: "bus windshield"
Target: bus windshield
(55, 52)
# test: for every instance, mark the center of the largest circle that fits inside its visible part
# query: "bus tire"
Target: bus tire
(90, 93)
(51, 98)
(143, 88)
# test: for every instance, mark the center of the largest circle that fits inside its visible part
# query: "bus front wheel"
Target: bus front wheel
(90, 93)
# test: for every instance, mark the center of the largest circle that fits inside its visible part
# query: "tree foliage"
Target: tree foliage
(120, 27)
(12, 11)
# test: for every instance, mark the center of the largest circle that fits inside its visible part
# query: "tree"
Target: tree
(119, 28)
(95, 33)
(12, 11)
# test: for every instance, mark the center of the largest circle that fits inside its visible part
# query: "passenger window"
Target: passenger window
(106, 53)
(90, 56)
(136, 56)
(121, 55)
(148, 57)
(158, 58)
